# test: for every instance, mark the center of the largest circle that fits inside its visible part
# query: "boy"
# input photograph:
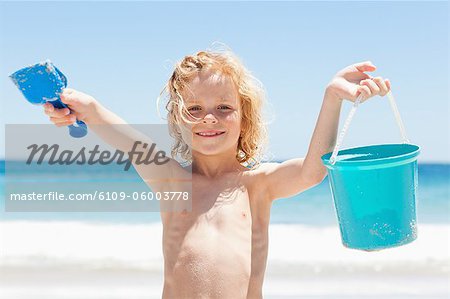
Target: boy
(219, 249)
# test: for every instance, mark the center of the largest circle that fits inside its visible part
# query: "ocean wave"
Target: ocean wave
(293, 249)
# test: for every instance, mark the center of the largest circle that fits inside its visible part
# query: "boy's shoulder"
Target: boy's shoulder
(258, 180)
(282, 179)
(260, 173)
(264, 168)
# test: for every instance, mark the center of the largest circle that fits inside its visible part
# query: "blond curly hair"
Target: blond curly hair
(251, 93)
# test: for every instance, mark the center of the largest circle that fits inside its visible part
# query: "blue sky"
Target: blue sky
(122, 53)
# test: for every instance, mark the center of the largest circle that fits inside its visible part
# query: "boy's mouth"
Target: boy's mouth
(209, 134)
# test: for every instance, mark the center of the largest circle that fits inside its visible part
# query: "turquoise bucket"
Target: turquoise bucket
(374, 192)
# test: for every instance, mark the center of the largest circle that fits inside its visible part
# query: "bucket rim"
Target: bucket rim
(404, 158)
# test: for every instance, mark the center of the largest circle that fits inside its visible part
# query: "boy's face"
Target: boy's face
(212, 98)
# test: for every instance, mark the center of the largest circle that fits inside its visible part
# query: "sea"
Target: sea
(304, 238)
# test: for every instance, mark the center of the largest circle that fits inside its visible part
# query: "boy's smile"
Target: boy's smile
(210, 133)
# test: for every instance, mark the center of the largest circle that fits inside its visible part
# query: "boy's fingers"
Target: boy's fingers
(62, 120)
(64, 124)
(67, 91)
(383, 87)
(66, 98)
(365, 91)
(48, 107)
(388, 83)
(366, 66)
(58, 112)
(374, 88)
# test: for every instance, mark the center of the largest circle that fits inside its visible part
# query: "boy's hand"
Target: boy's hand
(349, 82)
(82, 107)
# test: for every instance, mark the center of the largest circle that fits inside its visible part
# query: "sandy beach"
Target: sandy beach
(71, 260)
(106, 284)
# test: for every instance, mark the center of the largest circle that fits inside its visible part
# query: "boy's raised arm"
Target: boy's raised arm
(294, 176)
(113, 130)
(297, 175)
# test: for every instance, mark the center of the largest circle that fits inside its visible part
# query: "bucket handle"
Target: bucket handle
(350, 117)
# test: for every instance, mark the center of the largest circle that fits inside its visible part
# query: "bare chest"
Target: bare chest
(217, 215)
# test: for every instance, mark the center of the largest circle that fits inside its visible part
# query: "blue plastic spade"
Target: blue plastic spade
(42, 83)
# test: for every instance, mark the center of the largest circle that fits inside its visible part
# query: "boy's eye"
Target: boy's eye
(198, 108)
(195, 108)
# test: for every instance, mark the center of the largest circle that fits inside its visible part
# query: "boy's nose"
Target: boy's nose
(209, 119)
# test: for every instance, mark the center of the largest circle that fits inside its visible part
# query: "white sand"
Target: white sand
(53, 283)
(87, 261)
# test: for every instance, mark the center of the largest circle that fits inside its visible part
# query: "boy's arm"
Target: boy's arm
(122, 136)
(297, 175)
(115, 131)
